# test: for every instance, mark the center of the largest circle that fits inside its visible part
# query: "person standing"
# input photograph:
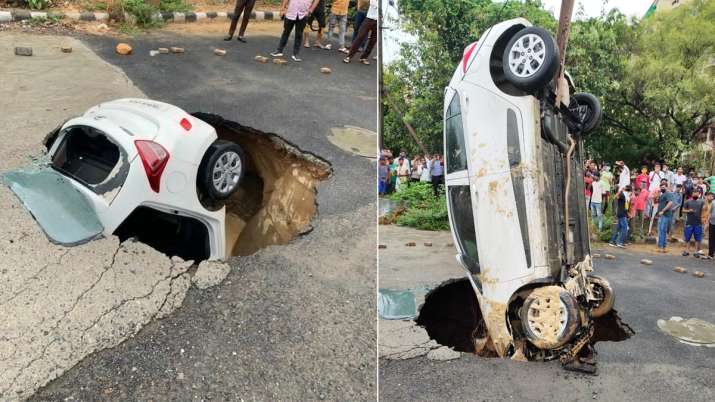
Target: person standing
(655, 177)
(393, 175)
(624, 177)
(640, 201)
(587, 188)
(368, 27)
(338, 16)
(669, 175)
(317, 15)
(618, 238)
(245, 7)
(693, 225)
(416, 169)
(437, 173)
(383, 173)
(642, 180)
(606, 182)
(360, 14)
(403, 173)
(596, 199)
(665, 213)
(711, 225)
(294, 14)
(680, 177)
(426, 176)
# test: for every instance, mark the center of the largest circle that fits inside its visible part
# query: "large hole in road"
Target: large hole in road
(276, 198)
(452, 317)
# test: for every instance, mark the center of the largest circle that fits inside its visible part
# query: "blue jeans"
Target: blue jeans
(621, 231)
(359, 18)
(597, 214)
(663, 225)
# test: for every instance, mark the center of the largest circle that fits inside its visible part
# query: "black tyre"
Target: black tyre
(588, 109)
(550, 317)
(221, 170)
(604, 292)
(530, 59)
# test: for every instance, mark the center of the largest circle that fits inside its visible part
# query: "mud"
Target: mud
(691, 331)
(277, 199)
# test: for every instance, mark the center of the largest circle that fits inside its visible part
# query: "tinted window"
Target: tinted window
(454, 133)
(460, 202)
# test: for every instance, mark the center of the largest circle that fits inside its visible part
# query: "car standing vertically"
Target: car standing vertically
(515, 195)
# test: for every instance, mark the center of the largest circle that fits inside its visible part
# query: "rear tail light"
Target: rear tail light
(185, 123)
(154, 158)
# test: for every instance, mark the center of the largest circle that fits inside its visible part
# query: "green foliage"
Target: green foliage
(49, 20)
(91, 5)
(175, 6)
(423, 210)
(142, 12)
(655, 78)
(38, 4)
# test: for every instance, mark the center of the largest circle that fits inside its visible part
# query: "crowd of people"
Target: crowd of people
(299, 14)
(655, 195)
(397, 173)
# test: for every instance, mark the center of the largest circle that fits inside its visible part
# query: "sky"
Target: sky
(393, 36)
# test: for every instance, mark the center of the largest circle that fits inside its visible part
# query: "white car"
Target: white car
(151, 168)
(505, 146)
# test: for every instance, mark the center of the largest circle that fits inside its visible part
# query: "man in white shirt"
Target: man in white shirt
(655, 177)
(670, 176)
(624, 178)
(596, 200)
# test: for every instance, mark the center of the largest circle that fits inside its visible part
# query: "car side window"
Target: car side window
(460, 202)
(456, 147)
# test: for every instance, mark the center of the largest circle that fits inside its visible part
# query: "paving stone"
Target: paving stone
(23, 51)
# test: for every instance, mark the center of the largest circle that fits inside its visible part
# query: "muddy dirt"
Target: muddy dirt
(276, 202)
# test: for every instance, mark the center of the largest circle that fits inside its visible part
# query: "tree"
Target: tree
(654, 77)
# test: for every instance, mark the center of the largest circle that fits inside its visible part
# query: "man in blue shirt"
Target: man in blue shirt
(666, 205)
(437, 170)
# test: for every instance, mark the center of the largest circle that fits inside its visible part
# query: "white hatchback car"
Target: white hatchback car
(149, 167)
(519, 225)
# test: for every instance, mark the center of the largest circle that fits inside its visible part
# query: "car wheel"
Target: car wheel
(549, 317)
(588, 110)
(604, 294)
(530, 59)
(221, 170)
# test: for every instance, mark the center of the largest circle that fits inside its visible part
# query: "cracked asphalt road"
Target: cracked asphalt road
(290, 322)
(651, 366)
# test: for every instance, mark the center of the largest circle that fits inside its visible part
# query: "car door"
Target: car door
(460, 205)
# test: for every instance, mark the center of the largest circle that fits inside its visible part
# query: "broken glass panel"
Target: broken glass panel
(63, 213)
(396, 304)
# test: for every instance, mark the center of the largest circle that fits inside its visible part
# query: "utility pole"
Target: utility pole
(380, 116)
(562, 38)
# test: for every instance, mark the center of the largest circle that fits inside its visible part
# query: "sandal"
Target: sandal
(346, 60)
(365, 62)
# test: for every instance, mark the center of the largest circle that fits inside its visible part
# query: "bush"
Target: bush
(38, 4)
(422, 209)
(142, 12)
(174, 6)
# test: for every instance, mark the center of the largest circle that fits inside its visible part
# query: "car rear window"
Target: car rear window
(88, 156)
(454, 133)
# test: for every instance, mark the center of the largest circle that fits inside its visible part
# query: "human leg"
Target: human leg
(287, 29)
(240, 4)
(299, 28)
(372, 29)
(246, 15)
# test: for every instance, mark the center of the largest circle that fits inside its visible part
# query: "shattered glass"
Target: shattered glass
(396, 304)
(63, 213)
